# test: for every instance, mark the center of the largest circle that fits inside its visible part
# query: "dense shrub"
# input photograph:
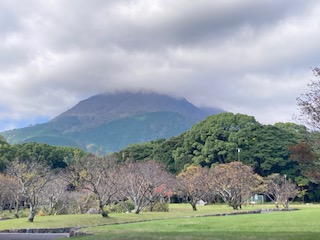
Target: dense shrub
(160, 207)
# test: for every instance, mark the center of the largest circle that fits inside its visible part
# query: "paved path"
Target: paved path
(32, 236)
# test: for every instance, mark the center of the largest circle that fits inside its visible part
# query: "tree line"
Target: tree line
(54, 156)
(104, 184)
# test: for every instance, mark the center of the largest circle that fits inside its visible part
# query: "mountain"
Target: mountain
(110, 122)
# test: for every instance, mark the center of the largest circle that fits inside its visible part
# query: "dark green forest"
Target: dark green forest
(54, 156)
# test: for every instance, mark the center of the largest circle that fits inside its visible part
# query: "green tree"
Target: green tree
(54, 156)
(298, 131)
(6, 153)
(217, 139)
(2, 140)
(269, 151)
(163, 152)
(140, 151)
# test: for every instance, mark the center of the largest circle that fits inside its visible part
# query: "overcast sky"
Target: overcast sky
(247, 56)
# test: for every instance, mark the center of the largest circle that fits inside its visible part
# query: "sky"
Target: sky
(244, 56)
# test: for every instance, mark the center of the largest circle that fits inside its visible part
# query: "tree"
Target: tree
(306, 157)
(192, 184)
(145, 183)
(217, 140)
(55, 195)
(139, 151)
(99, 175)
(309, 103)
(32, 176)
(159, 150)
(269, 150)
(6, 153)
(9, 195)
(235, 183)
(280, 190)
(54, 156)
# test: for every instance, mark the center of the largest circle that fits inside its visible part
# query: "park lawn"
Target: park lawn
(303, 224)
(183, 223)
(85, 220)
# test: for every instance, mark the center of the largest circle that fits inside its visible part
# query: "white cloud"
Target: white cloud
(245, 56)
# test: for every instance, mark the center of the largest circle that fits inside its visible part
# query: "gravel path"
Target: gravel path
(32, 236)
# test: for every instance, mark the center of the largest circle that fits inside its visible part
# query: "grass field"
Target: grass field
(303, 224)
(85, 220)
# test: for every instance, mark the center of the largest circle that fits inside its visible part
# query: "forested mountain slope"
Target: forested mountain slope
(110, 122)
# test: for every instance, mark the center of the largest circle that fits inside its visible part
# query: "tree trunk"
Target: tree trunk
(235, 206)
(10, 208)
(17, 208)
(102, 211)
(137, 211)
(31, 214)
(194, 206)
(152, 204)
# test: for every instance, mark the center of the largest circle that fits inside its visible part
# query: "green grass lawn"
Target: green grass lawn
(180, 223)
(303, 225)
(85, 220)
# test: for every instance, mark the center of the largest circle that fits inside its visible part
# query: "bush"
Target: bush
(160, 207)
(121, 207)
(23, 213)
(116, 208)
(42, 212)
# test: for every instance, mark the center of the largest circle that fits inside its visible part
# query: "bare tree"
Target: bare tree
(161, 183)
(193, 185)
(55, 196)
(235, 183)
(80, 201)
(280, 190)
(100, 175)
(10, 193)
(145, 183)
(32, 176)
(309, 103)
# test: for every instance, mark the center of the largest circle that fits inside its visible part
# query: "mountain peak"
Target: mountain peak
(113, 121)
(105, 108)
